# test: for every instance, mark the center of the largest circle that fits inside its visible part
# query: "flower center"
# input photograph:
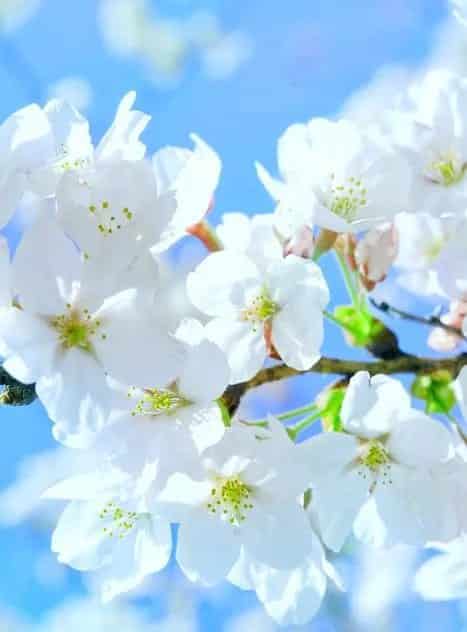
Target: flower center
(374, 455)
(231, 500)
(119, 521)
(110, 220)
(433, 250)
(261, 308)
(66, 162)
(157, 401)
(448, 172)
(75, 329)
(346, 199)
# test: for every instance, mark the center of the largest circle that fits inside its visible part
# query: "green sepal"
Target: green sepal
(361, 327)
(226, 419)
(435, 389)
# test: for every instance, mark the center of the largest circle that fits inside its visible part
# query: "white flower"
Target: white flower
(337, 176)
(192, 177)
(113, 211)
(67, 146)
(250, 489)
(158, 431)
(451, 265)
(107, 528)
(380, 475)
(421, 240)
(444, 576)
(432, 133)
(283, 303)
(66, 335)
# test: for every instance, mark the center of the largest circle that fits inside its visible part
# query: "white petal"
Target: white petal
(263, 539)
(289, 277)
(419, 441)
(121, 141)
(205, 373)
(46, 267)
(298, 333)
(244, 346)
(150, 553)
(77, 398)
(372, 405)
(211, 284)
(79, 539)
(31, 345)
(135, 351)
(207, 548)
(337, 502)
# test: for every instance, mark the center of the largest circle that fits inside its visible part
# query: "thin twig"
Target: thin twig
(332, 366)
(430, 321)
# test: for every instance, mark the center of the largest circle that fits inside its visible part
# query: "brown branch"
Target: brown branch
(347, 368)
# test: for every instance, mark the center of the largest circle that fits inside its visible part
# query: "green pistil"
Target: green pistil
(262, 308)
(76, 328)
(159, 402)
(448, 172)
(121, 521)
(347, 199)
(231, 500)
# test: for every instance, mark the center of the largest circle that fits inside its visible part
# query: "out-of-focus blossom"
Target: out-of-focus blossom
(75, 90)
(445, 341)
(14, 13)
(383, 580)
(165, 45)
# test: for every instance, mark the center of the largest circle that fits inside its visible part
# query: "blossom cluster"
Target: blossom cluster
(145, 395)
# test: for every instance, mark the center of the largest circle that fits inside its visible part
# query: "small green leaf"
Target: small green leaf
(435, 389)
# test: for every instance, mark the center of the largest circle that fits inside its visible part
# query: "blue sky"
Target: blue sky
(309, 55)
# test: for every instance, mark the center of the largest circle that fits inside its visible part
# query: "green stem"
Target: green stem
(290, 414)
(296, 429)
(349, 280)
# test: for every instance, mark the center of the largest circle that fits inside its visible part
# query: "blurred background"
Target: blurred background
(236, 73)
